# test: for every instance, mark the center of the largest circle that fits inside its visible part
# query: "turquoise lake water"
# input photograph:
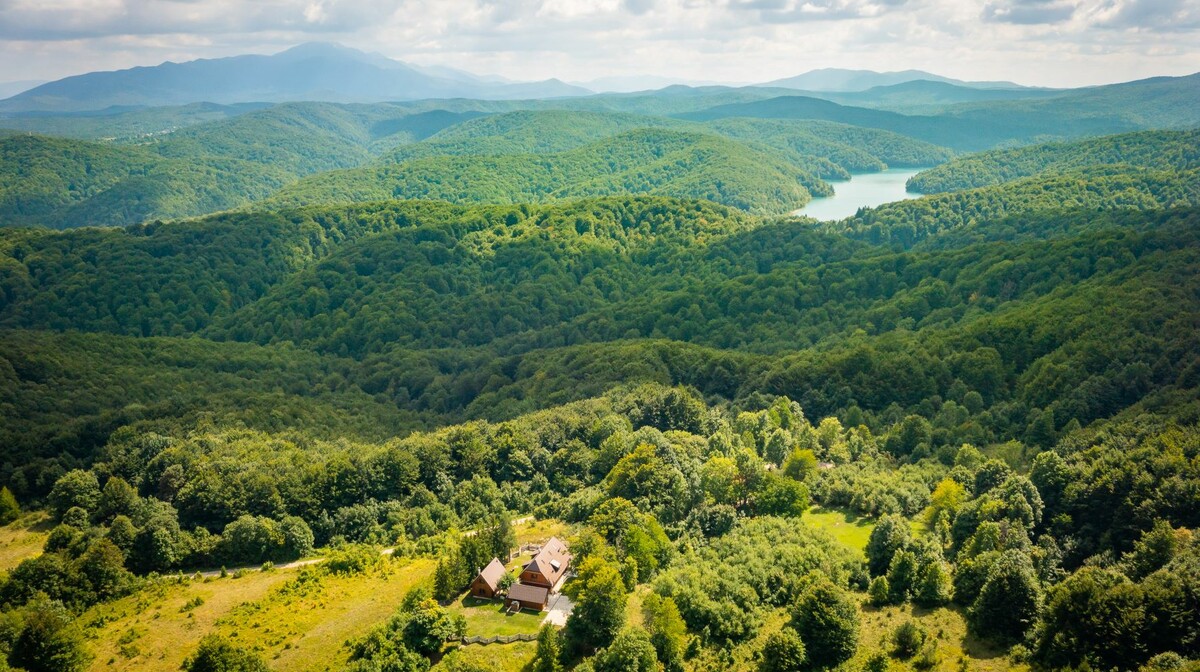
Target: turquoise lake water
(866, 190)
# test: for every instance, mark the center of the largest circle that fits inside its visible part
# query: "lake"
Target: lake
(865, 190)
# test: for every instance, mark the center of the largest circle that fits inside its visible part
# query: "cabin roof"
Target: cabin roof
(526, 593)
(492, 574)
(551, 561)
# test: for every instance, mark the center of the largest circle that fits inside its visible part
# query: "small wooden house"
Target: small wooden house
(522, 596)
(487, 584)
(548, 567)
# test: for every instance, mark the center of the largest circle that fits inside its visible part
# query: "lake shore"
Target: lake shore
(861, 191)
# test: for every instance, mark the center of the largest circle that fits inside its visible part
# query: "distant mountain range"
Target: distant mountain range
(325, 72)
(841, 80)
(13, 88)
(314, 71)
(1158, 102)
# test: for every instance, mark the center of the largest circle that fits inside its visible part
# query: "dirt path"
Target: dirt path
(295, 564)
(515, 523)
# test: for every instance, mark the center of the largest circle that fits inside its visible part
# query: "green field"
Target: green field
(849, 530)
(294, 625)
(23, 539)
(947, 626)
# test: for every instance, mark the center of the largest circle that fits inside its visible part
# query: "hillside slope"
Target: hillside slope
(657, 162)
(69, 183)
(1160, 150)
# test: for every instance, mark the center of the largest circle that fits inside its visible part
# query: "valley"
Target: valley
(327, 361)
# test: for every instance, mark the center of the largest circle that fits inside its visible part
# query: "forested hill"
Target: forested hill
(1093, 189)
(207, 167)
(416, 325)
(372, 152)
(851, 148)
(1161, 150)
(646, 161)
(1146, 170)
(763, 166)
(529, 132)
(449, 311)
(67, 183)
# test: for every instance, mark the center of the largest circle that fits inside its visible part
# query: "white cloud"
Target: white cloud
(1051, 42)
(1029, 12)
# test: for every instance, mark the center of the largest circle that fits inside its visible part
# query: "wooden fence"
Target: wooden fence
(500, 639)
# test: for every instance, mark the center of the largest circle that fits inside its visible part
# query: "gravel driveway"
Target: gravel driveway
(558, 610)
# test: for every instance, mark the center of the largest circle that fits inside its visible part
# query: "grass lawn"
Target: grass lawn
(23, 538)
(293, 626)
(486, 618)
(850, 530)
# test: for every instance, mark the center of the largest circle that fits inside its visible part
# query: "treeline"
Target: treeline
(645, 161)
(827, 150)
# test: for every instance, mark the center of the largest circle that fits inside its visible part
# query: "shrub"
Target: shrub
(217, 654)
(352, 559)
(908, 638)
(826, 618)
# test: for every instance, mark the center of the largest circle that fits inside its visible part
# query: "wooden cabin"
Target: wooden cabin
(548, 567)
(487, 584)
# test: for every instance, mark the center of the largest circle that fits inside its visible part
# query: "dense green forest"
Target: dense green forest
(1158, 150)
(69, 183)
(393, 341)
(1148, 170)
(442, 308)
(658, 162)
(202, 168)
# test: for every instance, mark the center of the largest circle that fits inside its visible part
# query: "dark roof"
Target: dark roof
(551, 561)
(492, 574)
(527, 593)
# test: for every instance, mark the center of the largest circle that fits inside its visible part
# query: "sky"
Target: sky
(1037, 42)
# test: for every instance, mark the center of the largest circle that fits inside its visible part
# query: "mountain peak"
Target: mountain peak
(313, 71)
(842, 80)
